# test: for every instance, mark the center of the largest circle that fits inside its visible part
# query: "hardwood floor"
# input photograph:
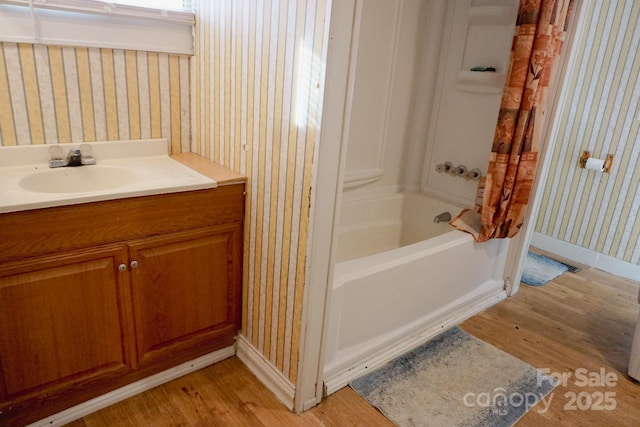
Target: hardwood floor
(578, 321)
(584, 320)
(227, 394)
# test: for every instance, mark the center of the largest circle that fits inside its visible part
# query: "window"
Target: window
(151, 25)
(184, 5)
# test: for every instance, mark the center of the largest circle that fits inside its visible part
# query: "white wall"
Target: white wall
(386, 46)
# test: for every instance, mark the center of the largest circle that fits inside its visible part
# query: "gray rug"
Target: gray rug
(539, 269)
(455, 380)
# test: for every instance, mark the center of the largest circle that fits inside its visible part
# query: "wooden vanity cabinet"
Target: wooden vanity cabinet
(63, 325)
(178, 314)
(79, 318)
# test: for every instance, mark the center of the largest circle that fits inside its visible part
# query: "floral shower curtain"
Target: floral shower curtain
(503, 194)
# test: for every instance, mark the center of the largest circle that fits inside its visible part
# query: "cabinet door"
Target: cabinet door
(62, 323)
(186, 293)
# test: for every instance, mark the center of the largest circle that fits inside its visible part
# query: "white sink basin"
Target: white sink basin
(124, 169)
(81, 179)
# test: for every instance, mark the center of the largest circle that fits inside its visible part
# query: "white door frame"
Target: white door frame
(327, 194)
(520, 243)
(326, 197)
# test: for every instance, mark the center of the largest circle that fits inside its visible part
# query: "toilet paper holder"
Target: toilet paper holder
(608, 162)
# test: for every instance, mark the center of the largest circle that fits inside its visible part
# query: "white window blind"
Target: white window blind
(183, 5)
(161, 26)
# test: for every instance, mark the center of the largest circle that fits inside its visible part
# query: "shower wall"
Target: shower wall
(477, 33)
(386, 45)
(413, 101)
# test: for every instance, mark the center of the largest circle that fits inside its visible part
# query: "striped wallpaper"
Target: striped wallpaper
(602, 114)
(54, 94)
(257, 105)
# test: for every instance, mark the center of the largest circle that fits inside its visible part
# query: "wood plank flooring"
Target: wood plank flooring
(578, 321)
(584, 320)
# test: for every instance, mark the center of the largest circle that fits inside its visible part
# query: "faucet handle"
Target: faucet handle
(56, 156)
(87, 150)
(55, 152)
(87, 155)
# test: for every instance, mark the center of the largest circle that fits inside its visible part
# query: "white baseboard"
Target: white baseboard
(268, 374)
(586, 256)
(400, 347)
(310, 403)
(115, 396)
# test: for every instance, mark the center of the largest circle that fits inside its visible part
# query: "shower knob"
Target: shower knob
(473, 174)
(444, 167)
(460, 170)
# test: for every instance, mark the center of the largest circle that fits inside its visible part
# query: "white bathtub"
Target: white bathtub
(400, 280)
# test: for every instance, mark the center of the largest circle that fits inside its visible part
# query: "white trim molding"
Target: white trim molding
(520, 243)
(115, 396)
(586, 256)
(268, 374)
(326, 197)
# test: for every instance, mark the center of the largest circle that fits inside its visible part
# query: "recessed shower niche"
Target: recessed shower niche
(489, 29)
(477, 33)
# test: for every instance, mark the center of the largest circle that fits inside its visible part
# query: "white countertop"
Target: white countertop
(148, 166)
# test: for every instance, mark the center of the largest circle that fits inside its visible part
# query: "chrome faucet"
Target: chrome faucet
(443, 217)
(75, 157)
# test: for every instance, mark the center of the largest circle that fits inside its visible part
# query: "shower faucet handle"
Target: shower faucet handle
(445, 167)
(460, 170)
(473, 174)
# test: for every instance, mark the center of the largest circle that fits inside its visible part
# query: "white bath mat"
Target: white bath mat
(455, 380)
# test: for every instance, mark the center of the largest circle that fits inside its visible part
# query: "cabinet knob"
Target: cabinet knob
(134, 264)
(122, 267)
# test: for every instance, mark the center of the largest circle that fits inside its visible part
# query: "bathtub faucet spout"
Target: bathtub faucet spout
(443, 217)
